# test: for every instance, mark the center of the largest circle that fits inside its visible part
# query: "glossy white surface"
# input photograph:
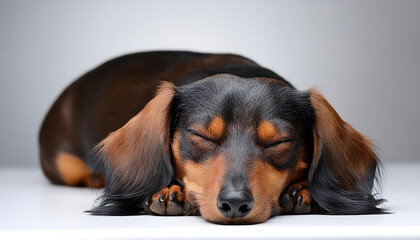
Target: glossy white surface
(30, 207)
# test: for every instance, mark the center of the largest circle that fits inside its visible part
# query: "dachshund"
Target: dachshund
(215, 135)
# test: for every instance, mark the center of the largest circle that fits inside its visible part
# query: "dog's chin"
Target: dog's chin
(235, 221)
(253, 218)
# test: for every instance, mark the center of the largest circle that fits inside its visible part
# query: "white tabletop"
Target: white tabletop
(30, 207)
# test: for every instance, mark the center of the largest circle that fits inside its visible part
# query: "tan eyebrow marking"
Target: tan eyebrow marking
(267, 132)
(216, 127)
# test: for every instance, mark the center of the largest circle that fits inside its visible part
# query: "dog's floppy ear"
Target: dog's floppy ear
(136, 159)
(344, 164)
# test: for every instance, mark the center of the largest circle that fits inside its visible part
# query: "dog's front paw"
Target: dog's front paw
(170, 201)
(296, 199)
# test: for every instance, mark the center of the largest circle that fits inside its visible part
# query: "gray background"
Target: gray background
(364, 56)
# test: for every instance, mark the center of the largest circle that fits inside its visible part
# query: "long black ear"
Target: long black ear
(136, 158)
(344, 164)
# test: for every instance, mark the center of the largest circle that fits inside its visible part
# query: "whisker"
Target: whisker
(195, 208)
(166, 78)
(205, 188)
(200, 199)
(199, 184)
(198, 193)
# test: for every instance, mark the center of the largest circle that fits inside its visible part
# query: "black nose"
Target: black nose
(235, 204)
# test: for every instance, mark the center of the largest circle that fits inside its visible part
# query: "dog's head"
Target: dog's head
(236, 144)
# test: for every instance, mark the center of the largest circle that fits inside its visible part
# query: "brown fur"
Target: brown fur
(269, 183)
(216, 128)
(204, 182)
(351, 152)
(73, 170)
(148, 131)
(267, 133)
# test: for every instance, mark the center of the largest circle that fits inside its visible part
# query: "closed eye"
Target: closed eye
(201, 136)
(277, 143)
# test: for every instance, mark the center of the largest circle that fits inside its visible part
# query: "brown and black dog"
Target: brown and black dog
(222, 137)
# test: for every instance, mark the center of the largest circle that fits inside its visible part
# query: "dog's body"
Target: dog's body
(227, 139)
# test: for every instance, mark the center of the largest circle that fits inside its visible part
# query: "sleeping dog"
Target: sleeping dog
(216, 135)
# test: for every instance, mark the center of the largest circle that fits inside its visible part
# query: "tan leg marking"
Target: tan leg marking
(75, 172)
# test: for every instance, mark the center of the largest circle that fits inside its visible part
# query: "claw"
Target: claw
(173, 196)
(162, 198)
(293, 192)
